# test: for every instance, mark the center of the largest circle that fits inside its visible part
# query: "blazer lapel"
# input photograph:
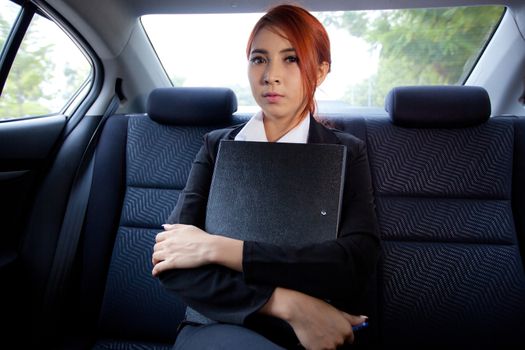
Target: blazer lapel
(231, 135)
(320, 134)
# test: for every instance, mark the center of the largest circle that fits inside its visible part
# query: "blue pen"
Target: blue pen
(360, 326)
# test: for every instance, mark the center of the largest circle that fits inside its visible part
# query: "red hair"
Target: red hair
(307, 36)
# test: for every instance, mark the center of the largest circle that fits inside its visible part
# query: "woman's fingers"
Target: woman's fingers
(157, 256)
(355, 320)
(158, 268)
(161, 236)
(180, 246)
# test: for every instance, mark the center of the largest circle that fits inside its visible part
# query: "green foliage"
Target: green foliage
(4, 31)
(36, 85)
(23, 91)
(420, 46)
(74, 77)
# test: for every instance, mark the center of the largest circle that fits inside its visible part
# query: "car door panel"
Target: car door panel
(25, 148)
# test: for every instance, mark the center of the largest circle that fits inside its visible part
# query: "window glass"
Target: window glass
(48, 71)
(8, 12)
(372, 51)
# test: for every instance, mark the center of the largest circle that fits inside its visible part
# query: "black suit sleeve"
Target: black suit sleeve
(331, 270)
(216, 292)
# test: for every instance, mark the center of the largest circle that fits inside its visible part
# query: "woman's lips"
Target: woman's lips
(272, 97)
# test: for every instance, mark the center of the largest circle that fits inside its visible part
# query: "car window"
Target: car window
(8, 13)
(372, 51)
(49, 70)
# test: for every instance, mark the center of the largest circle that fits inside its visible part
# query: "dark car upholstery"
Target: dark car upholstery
(446, 181)
(452, 268)
(142, 163)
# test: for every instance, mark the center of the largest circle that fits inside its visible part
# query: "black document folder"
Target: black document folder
(281, 193)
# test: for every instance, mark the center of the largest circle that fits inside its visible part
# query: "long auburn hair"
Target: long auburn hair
(307, 36)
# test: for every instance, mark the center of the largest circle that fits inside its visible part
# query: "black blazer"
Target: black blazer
(335, 271)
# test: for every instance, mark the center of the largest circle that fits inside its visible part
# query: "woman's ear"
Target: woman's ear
(324, 68)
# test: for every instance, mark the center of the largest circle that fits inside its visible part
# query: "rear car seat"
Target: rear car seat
(443, 178)
(442, 171)
(142, 162)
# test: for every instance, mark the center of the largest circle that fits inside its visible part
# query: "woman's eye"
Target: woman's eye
(292, 59)
(257, 60)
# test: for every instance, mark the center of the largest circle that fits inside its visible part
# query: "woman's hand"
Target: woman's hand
(181, 246)
(317, 324)
(185, 246)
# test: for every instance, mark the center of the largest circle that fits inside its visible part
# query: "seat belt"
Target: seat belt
(73, 222)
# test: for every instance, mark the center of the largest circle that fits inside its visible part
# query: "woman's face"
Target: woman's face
(274, 75)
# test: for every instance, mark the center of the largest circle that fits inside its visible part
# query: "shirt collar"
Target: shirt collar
(254, 131)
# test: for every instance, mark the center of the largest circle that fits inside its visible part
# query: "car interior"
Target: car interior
(85, 188)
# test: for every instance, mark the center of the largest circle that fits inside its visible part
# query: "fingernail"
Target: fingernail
(365, 317)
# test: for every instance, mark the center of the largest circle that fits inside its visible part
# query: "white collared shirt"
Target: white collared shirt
(254, 131)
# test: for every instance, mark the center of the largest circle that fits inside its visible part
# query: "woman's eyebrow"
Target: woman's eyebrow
(290, 49)
(261, 51)
(265, 52)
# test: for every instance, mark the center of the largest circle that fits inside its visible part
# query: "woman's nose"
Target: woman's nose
(272, 74)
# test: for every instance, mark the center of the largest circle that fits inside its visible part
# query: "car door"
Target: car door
(48, 79)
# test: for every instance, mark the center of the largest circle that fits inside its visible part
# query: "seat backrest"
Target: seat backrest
(442, 173)
(142, 163)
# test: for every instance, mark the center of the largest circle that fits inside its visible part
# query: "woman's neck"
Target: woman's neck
(276, 128)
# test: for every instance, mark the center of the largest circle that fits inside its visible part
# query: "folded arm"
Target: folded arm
(215, 291)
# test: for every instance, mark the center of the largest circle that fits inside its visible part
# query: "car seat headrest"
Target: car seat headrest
(191, 106)
(438, 106)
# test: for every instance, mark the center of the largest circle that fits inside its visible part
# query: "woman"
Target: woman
(264, 296)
